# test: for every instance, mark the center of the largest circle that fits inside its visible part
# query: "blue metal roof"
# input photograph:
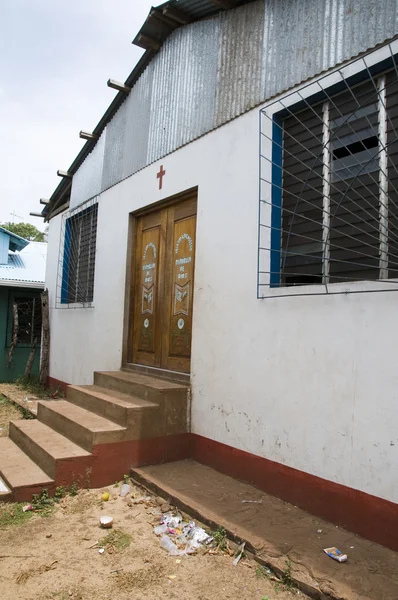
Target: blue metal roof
(26, 268)
(16, 242)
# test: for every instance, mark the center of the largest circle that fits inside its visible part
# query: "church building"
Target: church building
(221, 261)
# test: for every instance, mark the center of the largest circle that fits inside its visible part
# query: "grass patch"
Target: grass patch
(220, 539)
(286, 580)
(115, 541)
(13, 515)
(42, 503)
(8, 412)
(265, 572)
(33, 386)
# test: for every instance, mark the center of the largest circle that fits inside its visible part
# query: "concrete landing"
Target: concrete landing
(277, 531)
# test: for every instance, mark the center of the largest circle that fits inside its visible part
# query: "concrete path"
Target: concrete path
(277, 531)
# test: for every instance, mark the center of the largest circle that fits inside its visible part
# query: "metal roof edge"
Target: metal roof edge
(182, 7)
(39, 285)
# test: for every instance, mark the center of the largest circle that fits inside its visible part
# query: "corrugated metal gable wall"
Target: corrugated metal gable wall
(211, 71)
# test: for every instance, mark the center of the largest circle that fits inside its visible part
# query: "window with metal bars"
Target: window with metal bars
(29, 320)
(339, 186)
(79, 257)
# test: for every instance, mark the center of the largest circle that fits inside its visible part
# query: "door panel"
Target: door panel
(163, 290)
(147, 304)
(179, 292)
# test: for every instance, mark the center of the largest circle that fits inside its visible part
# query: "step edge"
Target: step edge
(51, 409)
(37, 460)
(84, 454)
(171, 385)
(47, 482)
(107, 392)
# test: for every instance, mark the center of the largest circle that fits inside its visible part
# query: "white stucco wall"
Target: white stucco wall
(308, 382)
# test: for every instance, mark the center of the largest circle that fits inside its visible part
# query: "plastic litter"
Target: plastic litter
(196, 535)
(239, 554)
(106, 522)
(125, 490)
(336, 554)
(160, 529)
(27, 507)
(101, 550)
(252, 501)
(187, 537)
(167, 544)
(171, 520)
(143, 500)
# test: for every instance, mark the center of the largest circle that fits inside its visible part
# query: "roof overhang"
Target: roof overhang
(22, 284)
(160, 23)
(17, 243)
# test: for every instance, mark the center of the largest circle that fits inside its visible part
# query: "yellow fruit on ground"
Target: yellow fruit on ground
(105, 496)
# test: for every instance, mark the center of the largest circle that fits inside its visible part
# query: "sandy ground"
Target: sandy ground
(27, 399)
(56, 557)
(8, 412)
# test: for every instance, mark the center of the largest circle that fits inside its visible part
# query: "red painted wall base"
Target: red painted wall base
(57, 384)
(372, 517)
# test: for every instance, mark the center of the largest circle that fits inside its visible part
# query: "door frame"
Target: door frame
(128, 325)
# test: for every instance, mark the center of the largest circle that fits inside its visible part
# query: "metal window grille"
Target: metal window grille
(329, 183)
(29, 320)
(76, 264)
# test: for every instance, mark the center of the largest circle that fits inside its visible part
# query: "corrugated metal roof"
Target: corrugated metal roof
(196, 10)
(212, 70)
(27, 267)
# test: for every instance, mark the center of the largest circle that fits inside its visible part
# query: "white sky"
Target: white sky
(55, 59)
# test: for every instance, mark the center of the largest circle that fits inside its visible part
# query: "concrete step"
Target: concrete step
(47, 448)
(20, 473)
(116, 406)
(143, 386)
(172, 397)
(176, 376)
(79, 425)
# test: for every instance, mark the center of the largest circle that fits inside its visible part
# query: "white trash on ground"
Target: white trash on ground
(336, 554)
(187, 537)
(239, 554)
(125, 490)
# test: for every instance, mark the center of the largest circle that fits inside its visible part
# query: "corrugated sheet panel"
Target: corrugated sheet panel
(240, 57)
(138, 107)
(114, 148)
(211, 71)
(197, 8)
(184, 83)
(28, 265)
(87, 181)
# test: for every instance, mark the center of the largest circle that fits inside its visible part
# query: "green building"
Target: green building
(22, 273)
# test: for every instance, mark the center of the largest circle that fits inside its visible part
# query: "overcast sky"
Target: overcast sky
(55, 59)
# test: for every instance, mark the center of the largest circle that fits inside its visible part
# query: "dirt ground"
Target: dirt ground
(27, 395)
(57, 556)
(8, 412)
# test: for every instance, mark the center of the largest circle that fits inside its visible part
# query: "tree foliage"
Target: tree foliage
(26, 231)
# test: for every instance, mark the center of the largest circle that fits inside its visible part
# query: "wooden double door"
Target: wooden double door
(162, 302)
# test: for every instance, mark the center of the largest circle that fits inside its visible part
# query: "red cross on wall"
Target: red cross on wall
(160, 176)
